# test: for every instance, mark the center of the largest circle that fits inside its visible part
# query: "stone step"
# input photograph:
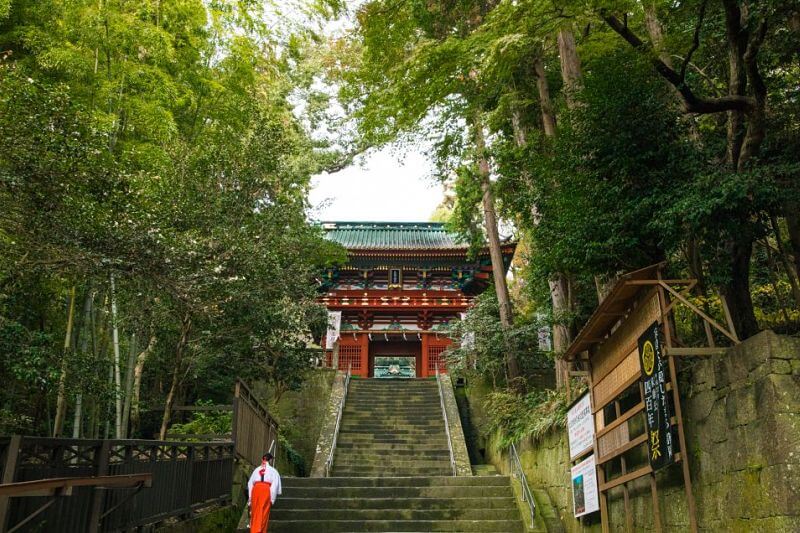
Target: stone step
(383, 462)
(357, 411)
(428, 481)
(288, 502)
(363, 471)
(407, 455)
(448, 491)
(387, 403)
(325, 526)
(389, 448)
(398, 429)
(365, 439)
(280, 513)
(400, 432)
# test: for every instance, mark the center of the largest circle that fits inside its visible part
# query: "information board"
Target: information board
(585, 497)
(655, 374)
(580, 427)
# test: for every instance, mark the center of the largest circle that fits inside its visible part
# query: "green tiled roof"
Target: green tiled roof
(392, 236)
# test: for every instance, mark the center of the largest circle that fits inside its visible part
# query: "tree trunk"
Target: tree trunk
(126, 407)
(137, 383)
(545, 102)
(186, 326)
(570, 64)
(791, 211)
(117, 374)
(61, 399)
(791, 273)
(656, 32)
(737, 289)
(86, 332)
(495, 251)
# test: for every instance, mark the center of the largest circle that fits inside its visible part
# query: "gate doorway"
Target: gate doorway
(395, 359)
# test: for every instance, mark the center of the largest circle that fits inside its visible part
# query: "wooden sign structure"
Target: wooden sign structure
(632, 436)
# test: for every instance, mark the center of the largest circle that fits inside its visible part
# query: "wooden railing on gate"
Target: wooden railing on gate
(184, 476)
(254, 430)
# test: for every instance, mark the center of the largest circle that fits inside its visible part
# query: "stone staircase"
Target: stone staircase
(480, 504)
(392, 472)
(392, 428)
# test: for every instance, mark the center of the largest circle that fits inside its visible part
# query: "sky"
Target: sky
(384, 186)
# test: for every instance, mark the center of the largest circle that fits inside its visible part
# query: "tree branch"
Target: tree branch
(692, 102)
(695, 40)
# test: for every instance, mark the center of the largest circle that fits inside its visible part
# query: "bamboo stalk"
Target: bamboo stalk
(61, 401)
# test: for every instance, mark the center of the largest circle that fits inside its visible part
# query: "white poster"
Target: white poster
(334, 324)
(545, 339)
(584, 487)
(580, 427)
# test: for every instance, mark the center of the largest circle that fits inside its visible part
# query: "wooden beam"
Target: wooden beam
(641, 439)
(694, 308)
(643, 471)
(63, 485)
(224, 407)
(689, 282)
(633, 411)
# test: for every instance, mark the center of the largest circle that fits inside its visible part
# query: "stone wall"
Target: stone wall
(327, 427)
(742, 419)
(457, 441)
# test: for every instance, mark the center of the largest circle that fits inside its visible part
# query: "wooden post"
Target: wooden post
(676, 398)
(190, 459)
(625, 492)
(98, 498)
(234, 417)
(9, 471)
(728, 318)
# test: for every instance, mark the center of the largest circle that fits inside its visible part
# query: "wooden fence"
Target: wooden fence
(185, 476)
(254, 430)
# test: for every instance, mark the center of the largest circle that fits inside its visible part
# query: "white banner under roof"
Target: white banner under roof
(334, 327)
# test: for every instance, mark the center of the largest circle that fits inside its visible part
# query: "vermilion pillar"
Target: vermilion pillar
(364, 343)
(423, 371)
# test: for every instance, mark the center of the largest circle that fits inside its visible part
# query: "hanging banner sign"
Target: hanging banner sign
(545, 339)
(655, 373)
(585, 497)
(580, 427)
(334, 325)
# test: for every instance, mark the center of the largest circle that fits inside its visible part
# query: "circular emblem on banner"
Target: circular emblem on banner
(648, 358)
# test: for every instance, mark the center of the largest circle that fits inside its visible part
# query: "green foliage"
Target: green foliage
(531, 416)
(482, 345)
(205, 423)
(620, 158)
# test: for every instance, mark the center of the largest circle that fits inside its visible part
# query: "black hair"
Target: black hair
(267, 457)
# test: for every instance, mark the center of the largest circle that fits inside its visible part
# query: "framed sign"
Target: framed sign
(585, 497)
(580, 427)
(655, 374)
(395, 278)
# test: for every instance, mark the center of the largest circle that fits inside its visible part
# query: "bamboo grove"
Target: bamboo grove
(154, 240)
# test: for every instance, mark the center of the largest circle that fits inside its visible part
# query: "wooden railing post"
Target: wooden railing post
(190, 459)
(98, 498)
(9, 471)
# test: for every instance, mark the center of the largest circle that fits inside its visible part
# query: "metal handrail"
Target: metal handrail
(329, 461)
(515, 466)
(446, 423)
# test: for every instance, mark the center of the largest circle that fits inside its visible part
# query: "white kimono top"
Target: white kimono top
(270, 476)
